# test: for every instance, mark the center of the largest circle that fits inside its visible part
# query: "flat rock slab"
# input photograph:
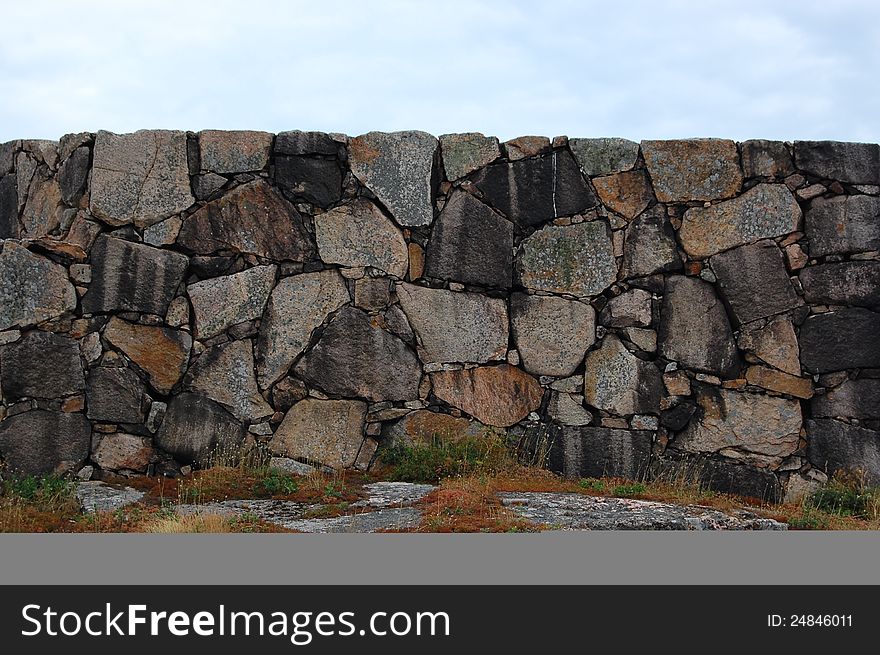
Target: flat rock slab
(95, 496)
(386, 494)
(580, 512)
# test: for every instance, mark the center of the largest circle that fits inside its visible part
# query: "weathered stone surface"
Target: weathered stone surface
(297, 142)
(73, 174)
(642, 338)
(579, 452)
(32, 288)
(254, 219)
(9, 226)
(329, 432)
(472, 244)
(39, 442)
(627, 194)
(758, 429)
(761, 158)
(495, 395)
(754, 282)
(96, 496)
(196, 428)
(43, 210)
(41, 365)
(372, 294)
(572, 511)
(318, 181)
(465, 153)
(774, 342)
(163, 233)
(617, 381)
(297, 306)
(132, 277)
(358, 234)
(399, 168)
(723, 476)
(575, 259)
(207, 184)
(390, 519)
(843, 224)
(629, 309)
(225, 374)
(161, 353)
(604, 155)
(234, 151)
(767, 378)
(222, 302)
(854, 399)
(764, 211)
(456, 327)
(526, 146)
(115, 395)
(424, 426)
(139, 178)
(837, 446)
(840, 340)
(856, 163)
(357, 358)
(290, 466)
(113, 452)
(843, 283)
(568, 409)
(694, 329)
(536, 190)
(677, 417)
(552, 334)
(693, 169)
(649, 245)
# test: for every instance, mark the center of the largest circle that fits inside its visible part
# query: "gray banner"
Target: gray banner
(547, 558)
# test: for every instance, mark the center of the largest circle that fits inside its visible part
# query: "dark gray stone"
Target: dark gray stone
(41, 365)
(843, 225)
(694, 329)
(9, 227)
(131, 277)
(754, 282)
(650, 245)
(296, 142)
(856, 163)
(252, 219)
(355, 359)
(837, 446)
(73, 174)
(579, 452)
(472, 244)
(853, 399)
(115, 395)
(720, 475)
(840, 340)
(39, 442)
(206, 185)
(843, 283)
(677, 417)
(761, 158)
(536, 190)
(196, 428)
(318, 181)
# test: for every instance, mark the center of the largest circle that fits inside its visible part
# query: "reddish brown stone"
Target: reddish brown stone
(627, 194)
(161, 353)
(496, 395)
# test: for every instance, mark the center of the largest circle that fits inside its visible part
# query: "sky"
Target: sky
(630, 68)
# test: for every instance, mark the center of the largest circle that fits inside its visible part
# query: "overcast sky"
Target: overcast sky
(637, 69)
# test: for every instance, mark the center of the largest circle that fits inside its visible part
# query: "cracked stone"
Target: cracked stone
(774, 342)
(115, 395)
(627, 194)
(219, 303)
(617, 381)
(649, 246)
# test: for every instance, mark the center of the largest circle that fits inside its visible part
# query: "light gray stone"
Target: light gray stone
(357, 235)
(574, 259)
(32, 288)
(219, 303)
(649, 246)
(225, 374)
(551, 334)
(764, 211)
(128, 452)
(328, 432)
(629, 309)
(617, 381)
(465, 153)
(139, 178)
(603, 156)
(96, 496)
(298, 305)
(456, 326)
(399, 168)
(568, 409)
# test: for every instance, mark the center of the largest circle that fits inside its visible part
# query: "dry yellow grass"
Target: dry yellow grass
(191, 523)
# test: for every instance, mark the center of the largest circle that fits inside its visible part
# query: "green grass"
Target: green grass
(441, 458)
(591, 484)
(848, 494)
(634, 489)
(46, 492)
(279, 483)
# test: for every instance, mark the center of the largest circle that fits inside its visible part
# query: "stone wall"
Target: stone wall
(694, 305)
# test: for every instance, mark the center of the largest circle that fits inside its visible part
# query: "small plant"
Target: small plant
(591, 484)
(848, 494)
(444, 458)
(278, 483)
(808, 520)
(46, 492)
(334, 489)
(634, 489)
